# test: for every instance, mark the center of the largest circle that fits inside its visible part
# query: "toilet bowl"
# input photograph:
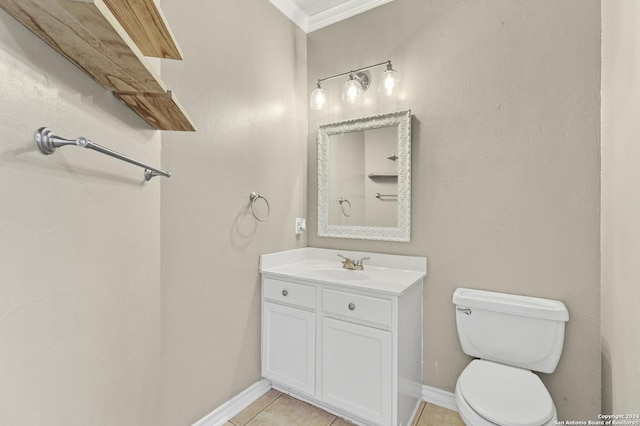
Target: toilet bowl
(511, 335)
(489, 394)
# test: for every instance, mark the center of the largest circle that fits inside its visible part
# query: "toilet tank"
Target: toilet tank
(522, 331)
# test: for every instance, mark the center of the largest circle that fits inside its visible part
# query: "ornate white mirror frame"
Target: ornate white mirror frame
(401, 232)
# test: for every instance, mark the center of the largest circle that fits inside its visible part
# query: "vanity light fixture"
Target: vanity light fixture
(318, 98)
(353, 88)
(390, 81)
(356, 85)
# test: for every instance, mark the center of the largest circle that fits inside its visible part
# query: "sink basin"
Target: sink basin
(384, 273)
(340, 274)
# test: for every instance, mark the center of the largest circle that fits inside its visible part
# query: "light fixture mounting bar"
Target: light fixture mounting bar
(320, 80)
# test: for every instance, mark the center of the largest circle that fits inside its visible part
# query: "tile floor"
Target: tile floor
(277, 409)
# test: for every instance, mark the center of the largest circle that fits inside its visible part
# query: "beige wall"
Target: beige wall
(244, 79)
(505, 97)
(620, 206)
(85, 322)
(79, 249)
(506, 197)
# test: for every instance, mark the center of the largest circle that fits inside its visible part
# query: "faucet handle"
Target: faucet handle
(359, 262)
(348, 263)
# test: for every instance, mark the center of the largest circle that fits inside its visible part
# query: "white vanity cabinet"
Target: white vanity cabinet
(346, 343)
(357, 359)
(289, 334)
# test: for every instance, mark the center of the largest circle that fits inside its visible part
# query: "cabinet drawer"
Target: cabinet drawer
(293, 294)
(357, 306)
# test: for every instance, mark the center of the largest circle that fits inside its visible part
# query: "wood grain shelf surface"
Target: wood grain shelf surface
(153, 40)
(161, 110)
(88, 34)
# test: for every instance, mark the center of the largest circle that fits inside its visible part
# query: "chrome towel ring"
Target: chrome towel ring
(253, 197)
(342, 201)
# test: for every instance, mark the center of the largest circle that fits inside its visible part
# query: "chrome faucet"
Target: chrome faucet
(353, 264)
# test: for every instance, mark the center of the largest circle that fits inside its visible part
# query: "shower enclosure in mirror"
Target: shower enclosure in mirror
(364, 178)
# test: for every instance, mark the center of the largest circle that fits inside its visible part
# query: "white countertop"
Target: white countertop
(323, 266)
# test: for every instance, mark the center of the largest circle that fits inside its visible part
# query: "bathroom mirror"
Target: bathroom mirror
(364, 178)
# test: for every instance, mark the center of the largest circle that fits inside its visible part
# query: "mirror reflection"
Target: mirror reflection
(364, 188)
(363, 178)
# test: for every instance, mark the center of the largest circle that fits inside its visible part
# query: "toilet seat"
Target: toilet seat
(505, 395)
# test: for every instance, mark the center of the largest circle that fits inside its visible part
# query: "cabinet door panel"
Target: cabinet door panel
(288, 348)
(356, 369)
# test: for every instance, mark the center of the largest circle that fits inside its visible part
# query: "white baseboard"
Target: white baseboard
(226, 411)
(439, 397)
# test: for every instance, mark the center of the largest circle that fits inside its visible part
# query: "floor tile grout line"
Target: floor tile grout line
(263, 408)
(422, 413)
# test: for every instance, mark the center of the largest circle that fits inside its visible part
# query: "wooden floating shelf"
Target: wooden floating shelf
(153, 40)
(161, 110)
(90, 35)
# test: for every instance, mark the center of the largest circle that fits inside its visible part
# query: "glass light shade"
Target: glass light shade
(389, 82)
(318, 99)
(351, 91)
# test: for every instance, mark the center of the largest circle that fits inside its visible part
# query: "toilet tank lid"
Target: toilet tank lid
(511, 304)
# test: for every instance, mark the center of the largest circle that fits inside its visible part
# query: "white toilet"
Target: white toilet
(511, 335)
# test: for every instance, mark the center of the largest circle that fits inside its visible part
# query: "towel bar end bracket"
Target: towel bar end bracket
(47, 142)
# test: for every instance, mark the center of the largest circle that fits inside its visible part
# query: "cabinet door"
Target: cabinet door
(356, 370)
(288, 347)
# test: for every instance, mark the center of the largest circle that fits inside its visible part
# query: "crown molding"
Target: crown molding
(341, 12)
(310, 23)
(291, 10)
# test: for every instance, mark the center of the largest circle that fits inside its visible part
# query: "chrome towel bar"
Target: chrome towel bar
(47, 143)
(380, 196)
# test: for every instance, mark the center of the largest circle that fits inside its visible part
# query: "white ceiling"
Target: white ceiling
(311, 15)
